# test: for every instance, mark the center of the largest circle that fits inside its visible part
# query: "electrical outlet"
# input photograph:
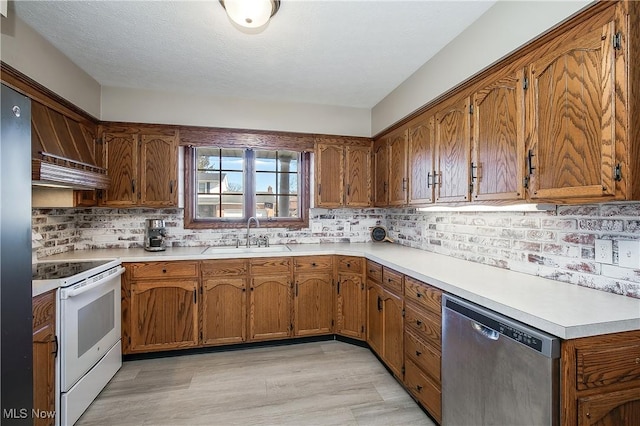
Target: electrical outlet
(604, 251)
(316, 228)
(629, 254)
(347, 226)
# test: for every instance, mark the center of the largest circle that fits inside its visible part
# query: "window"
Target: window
(226, 186)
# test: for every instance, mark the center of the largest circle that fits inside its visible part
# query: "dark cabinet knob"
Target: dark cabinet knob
(418, 388)
(418, 323)
(348, 265)
(314, 264)
(418, 295)
(164, 271)
(418, 353)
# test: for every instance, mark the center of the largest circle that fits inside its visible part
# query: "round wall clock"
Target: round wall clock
(379, 234)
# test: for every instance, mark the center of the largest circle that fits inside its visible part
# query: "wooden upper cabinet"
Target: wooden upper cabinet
(571, 121)
(158, 170)
(420, 162)
(343, 174)
(143, 167)
(329, 174)
(398, 180)
(453, 152)
(381, 173)
(121, 162)
(497, 171)
(358, 176)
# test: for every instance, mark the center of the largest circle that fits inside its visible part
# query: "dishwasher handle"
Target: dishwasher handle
(485, 331)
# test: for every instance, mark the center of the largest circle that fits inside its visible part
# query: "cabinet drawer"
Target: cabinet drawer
(312, 263)
(424, 356)
(608, 365)
(424, 295)
(224, 267)
(163, 270)
(270, 265)
(374, 271)
(425, 325)
(350, 264)
(425, 391)
(392, 280)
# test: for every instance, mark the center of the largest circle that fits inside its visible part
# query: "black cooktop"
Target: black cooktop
(59, 270)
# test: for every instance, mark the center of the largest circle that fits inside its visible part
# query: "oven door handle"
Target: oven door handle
(66, 293)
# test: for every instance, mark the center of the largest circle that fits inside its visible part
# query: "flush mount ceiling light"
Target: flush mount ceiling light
(250, 13)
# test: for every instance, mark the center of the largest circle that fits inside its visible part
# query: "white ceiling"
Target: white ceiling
(345, 53)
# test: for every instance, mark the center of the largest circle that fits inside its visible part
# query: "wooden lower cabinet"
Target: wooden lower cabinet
(600, 382)
(224, 311)
(385, 322)
(374, 317)
(45, 348)
(423, 389)
(313, 304)
(164, 315)
(350, 308)
(270, 308)
(393, 325)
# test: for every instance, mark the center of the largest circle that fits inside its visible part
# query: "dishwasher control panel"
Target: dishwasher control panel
(520, 336)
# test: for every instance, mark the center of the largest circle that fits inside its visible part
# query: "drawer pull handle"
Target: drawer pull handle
(418, 323)
(418, 388)
(418, 353)
(164, 271)
(418, 294)
(348, 265)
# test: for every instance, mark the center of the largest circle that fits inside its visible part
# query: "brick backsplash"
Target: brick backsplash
(557, 244)
(94, 228)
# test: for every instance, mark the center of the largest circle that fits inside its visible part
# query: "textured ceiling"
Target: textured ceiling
(347, 53)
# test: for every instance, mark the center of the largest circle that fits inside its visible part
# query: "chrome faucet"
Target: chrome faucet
(249, 229)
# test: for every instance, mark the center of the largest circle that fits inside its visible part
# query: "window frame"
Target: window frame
(191, 221)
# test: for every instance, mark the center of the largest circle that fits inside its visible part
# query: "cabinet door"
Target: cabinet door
(420, 161)
(453, 152)
(350, 306)
(313, 304)
(224, 311)
(44, 356)
(270, 308)
(398, 181)
(393, 329)
(329, 175)
(164, 315)
(571, 105)
(121, 162)
(358, 176)
(498, 137)
(610, 409)
(158, 170)
(374, 318)
(381, 172)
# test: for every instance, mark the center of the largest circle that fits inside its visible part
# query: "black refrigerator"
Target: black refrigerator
(16, 390)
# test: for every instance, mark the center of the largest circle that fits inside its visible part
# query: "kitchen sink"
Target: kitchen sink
(242, 249)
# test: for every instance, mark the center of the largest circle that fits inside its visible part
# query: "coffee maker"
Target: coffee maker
(154, 234)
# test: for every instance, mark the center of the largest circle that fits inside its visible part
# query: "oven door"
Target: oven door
(89, 326)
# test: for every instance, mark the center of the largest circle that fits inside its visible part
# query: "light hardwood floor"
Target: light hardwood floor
(321, 383)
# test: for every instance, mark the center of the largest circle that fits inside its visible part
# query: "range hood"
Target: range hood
(63, 151)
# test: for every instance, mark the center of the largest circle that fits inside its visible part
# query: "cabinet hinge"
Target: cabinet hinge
(617, 41)
(403, 312)
(470, 109)
(525, 83)
(525, 182)
(201, 337)
(338, 286)
(99, 194)
(195, 296)
(97, 141)
(402, 369)
(362, 329)
(129, 340)
(331, 323)
(617, 173)
(291, 326)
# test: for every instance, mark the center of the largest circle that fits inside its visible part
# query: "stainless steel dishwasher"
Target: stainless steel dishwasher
(496, 371)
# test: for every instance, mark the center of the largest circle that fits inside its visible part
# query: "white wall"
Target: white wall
(501, 30)
(147, 106)
(25, 50)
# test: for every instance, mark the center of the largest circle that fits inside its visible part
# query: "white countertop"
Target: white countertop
(564, 310)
